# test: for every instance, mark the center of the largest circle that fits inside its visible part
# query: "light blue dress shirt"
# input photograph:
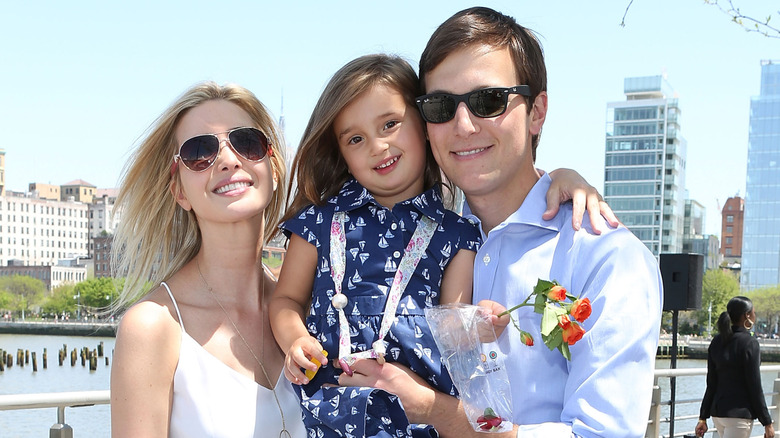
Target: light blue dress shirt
(605, 391)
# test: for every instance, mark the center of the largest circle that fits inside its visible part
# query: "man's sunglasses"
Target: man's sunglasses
(487, 102)
(201, 152)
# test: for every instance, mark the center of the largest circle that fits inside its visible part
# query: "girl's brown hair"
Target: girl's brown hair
(318, 169)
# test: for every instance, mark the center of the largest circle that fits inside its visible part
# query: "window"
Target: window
(729, 229)
(729, 218)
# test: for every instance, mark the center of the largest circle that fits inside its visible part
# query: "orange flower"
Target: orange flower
(526, 338)
(581, 309)
(564, 322)
(557, 293)
(572, 332)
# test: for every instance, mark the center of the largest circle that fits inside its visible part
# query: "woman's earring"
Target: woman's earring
(745, 324)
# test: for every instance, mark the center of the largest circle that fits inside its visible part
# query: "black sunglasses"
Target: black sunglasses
(487, 102)
(201, 152)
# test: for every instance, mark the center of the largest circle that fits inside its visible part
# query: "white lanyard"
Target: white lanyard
(338, 260)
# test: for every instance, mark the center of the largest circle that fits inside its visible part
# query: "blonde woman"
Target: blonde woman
(195, 355)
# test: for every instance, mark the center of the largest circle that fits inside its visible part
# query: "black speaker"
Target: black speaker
(682, 276)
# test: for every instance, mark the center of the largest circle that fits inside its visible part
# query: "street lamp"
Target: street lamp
(78, 306)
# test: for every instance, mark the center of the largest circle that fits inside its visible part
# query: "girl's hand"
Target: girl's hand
(567, 185)
(499, 322)
(300, 355)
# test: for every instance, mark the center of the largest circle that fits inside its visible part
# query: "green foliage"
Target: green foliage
(60, 301)
(97, 293)
(766, 303)
(24, 292)
(718, 287)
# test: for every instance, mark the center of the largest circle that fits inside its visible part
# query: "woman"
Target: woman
(734, 396)
(196, 356)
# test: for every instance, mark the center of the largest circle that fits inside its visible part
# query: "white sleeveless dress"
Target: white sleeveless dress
(210, 399)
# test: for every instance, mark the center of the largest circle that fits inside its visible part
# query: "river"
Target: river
(94, 421)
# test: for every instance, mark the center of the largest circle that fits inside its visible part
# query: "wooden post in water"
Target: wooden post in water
(45, 358)
(20, 357)
(73, 358)
(106, 361)
(100, 349)
(35, 362)
(26, 357)
(2, 360)
(10, 361)
(61, 356)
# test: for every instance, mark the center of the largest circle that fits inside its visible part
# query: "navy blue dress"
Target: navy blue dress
(376, 239)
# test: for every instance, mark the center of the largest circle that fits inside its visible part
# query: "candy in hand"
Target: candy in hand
(309, 373)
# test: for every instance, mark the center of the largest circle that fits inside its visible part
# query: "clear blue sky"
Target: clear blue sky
(82, 81)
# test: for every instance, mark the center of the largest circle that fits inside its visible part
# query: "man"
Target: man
(485, 141)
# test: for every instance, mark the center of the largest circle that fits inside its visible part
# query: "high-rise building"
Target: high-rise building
(761, 235)
(644, 172)
(731, 227)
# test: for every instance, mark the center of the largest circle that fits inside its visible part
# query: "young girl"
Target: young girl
(196, 198)
(371, 245)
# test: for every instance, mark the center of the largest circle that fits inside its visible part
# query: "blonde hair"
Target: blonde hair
(155, 237)
(318, 169)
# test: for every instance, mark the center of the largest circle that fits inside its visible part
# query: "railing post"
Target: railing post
(776, 399)
(654, 425)
(61, 430)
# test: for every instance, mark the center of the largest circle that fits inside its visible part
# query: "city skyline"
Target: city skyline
(86, 80)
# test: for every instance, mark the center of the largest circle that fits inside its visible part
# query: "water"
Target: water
(93, 421)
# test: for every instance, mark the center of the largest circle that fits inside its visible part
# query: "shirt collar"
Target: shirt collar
(530, 211)
(353, 196)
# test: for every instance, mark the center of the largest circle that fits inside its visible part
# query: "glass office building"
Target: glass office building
(761, 236)
(644, 172)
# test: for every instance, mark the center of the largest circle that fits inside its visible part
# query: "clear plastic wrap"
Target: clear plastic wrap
(465, 337)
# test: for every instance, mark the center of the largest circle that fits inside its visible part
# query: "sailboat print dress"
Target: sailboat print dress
(376, 238)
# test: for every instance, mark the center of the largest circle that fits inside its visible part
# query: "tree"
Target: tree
(26, 292)
(766, 302)
(747, 22)
(97, 293)
(61, 301)
(718, 287)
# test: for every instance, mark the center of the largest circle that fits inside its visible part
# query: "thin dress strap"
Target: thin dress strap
(175, 306)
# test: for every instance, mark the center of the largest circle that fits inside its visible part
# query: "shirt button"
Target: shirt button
(393, 226)
(397, 254)
(486, 259)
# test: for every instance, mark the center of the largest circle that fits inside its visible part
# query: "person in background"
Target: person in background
(197, 198)
(485, 106)
(734, 396)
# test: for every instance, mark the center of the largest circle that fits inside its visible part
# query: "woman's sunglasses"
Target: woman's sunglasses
(201, 152)
(487, 102)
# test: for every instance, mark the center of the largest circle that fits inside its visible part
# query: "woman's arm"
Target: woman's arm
(145, 358)
(567, 185)
(286, 310)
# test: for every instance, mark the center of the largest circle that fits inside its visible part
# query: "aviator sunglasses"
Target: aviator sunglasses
(487, 102)
(201, 152)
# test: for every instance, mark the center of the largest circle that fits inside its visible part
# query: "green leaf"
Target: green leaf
(564, 349)
(542, 286)
(554, 339)
(539, 303)
(550, 318)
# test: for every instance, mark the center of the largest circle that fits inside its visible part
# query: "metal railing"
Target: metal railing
(62, 400)
(655, 421)
(59, 400)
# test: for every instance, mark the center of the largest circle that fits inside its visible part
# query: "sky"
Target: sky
(84, 80)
